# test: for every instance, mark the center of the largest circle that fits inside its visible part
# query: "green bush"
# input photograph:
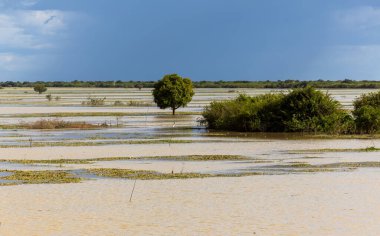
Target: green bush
(367, 119)
(40, 88)
(309, 110)
(367, 113)
(370, 99)
(244, 113)
(301, 110)
(93, 101)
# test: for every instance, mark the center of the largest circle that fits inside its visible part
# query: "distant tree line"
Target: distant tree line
(280, 84)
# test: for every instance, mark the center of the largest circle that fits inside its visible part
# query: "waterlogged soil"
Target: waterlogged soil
(79, 182)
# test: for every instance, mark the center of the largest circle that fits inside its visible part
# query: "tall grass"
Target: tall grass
(58, 124)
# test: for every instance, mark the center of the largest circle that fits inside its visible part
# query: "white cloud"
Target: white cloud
(360, 18)
(30, 37)
(32, 29)
(44, 22)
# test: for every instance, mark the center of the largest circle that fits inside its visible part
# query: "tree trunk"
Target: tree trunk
(173, 109)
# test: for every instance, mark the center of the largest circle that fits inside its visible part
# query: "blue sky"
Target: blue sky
(200, 39)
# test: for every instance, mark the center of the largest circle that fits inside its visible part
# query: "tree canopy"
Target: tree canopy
(40, 88)
(173, 91)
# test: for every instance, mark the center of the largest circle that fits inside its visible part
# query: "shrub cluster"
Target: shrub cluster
(280, 84)
(367, 113)
(59, 124)
(93, 101)
(301, 110)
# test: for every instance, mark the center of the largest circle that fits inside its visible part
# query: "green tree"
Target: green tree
(40, 88)
(367, 113)
(173, 91)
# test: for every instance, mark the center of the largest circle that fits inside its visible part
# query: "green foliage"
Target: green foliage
(93, 101)
(367, 113)
(244, 113)
(49, 97)
(370, 99)
(40, 88)
(309, 110)
(42, 177)
(301, 110)
(173, 91)
(139, 86)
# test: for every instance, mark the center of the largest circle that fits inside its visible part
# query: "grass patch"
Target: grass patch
(200, 158)
(53, 124)
(367, 149)
(92, 160)
(299, 165)
(153, 175)
(49, 162)
(42, 177)
(313, 170)
(306, 167)
(143, 174)
(79, 114)
(78, 144)
(341, 136)
(369, 164)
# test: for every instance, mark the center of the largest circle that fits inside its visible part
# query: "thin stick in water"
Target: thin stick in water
(133, 189)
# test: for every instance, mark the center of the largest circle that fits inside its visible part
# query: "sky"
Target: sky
(65, 40)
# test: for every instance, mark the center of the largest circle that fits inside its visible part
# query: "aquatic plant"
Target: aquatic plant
(56, 124)
(42, 177)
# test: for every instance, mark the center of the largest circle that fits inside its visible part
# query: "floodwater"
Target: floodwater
(281, 201)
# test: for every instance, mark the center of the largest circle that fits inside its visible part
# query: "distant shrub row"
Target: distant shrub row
(301, 110)
(280, 84)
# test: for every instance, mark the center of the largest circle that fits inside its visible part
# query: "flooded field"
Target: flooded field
(149, 173)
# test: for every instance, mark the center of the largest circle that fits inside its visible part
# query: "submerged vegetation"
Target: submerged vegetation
(41, 177)
(80, 114)
(368, 149)
(144, 174)
(92, 160)
(13, 177)
(153, 175)
(54, 124)
(201, 158)
(301, 110)
(98, 143)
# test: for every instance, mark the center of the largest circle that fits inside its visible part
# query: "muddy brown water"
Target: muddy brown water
(321, 203)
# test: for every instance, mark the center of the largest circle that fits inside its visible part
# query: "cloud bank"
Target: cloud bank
(27, 35)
